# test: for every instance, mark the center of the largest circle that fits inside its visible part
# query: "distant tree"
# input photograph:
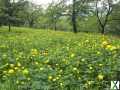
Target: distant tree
(9, 9)
(103, 11)
(77, 8)
(115, 19)
(32, 13)
(54, 12)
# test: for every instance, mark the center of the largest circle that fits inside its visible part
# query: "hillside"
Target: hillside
(40, 59)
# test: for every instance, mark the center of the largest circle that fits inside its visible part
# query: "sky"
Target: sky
(42, 2)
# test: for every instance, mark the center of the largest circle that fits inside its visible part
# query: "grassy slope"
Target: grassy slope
(61, 46)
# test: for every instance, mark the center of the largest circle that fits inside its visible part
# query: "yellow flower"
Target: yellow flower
(100, 77)
(89, 82)
(90, 68)
(74, 69)
(100, 65)
(28, 79)
(83, 60)
(36, 63)
(110, 47)
(57, 78)
(16, 68)
(34, 52)
(54, 79)
(50, 78)
(41, 69)
(12, 65)
(18, 64)
(61, 84)
(11, 71)
(23, 67)
(98, 53)
(25, 71)
(17, 82)
(86, 41)
(104, 43)
(72, 55)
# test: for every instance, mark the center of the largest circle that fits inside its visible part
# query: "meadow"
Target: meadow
(48, 60)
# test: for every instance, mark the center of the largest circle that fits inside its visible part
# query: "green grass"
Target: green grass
(48, 60)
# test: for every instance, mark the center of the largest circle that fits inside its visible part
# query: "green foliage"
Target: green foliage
(44, 60)
(114, 25)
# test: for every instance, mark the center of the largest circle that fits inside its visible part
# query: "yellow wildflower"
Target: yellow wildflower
(72, 55)
(110, 47)
(12, 65)
(17, 82)
(50, 78)
(54, 79)
(25, 71)
(34, 52)
(83, 60)
(74, 69)
(100, 77)
(61, 84)
(28, 79)
(18, 64)
(100, 65)
(11, 71)
(41, 69)
(90, 68)
(104, 43)
(36, 63)
(57, 78)
(98, 53)
(16, 68)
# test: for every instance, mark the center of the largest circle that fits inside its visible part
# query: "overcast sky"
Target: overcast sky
(43, 2)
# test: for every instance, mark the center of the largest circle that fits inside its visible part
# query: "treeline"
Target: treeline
(79, 15)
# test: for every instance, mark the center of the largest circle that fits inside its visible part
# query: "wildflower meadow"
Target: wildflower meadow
(49, 60)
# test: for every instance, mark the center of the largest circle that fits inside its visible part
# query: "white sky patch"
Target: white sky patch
(42, 2)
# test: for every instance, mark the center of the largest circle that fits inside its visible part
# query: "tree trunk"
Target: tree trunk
(102, 29)
(74, 17)
(9, 27)
(55, 27)
(55, 24)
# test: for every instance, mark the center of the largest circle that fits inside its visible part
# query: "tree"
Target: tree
(103, 11)
(9, 9)
(31, 13)
(76, 10)
(115, 19)
(54, 12)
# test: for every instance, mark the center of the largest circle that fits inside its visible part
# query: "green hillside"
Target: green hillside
(48, 60)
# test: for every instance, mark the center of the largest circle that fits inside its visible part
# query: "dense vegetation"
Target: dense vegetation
(69, 45)
(45, 60)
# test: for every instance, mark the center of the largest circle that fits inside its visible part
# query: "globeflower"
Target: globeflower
(11, 65)
(25, 71)
(104, 43)
(74, 69)
(110, 47)
(100, 77)
(50, 78)
(18, 64)
(11, 71)
(72, 55)
(34, 52)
